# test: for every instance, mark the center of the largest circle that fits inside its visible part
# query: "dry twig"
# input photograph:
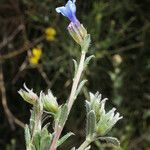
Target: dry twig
(21, 50)
(11, 37)
(11, 118)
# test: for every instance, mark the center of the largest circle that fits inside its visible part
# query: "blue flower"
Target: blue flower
(69, 11)
(75, 28)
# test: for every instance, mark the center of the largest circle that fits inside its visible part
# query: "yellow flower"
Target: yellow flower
(50, 34)
(37, 52)
(36, 55)
(33, 60)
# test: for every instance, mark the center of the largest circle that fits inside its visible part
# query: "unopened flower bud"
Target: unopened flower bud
(117, 59)
(97, 104)
(78, 32)
(50, 102)
(28, 95)
(104, 120)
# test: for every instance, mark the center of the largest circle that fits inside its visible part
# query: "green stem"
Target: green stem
(76, 81)
(71, 99)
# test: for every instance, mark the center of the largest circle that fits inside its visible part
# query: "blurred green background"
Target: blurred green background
(120, 31)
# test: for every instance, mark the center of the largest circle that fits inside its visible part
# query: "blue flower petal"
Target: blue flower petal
(69, 10)
(70, 5)
(63, 11)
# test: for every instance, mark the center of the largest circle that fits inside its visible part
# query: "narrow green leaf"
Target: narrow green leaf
(44, 132)
(46, 125)
(111, 140)
(36, 140)
(91, 124)
(88, 107)
(45, 142)
(88, 60)
(64, 138)
(63, 114)
(45, 118)
(27, 135)
(32, 120)
(57, 116)
(80, 87)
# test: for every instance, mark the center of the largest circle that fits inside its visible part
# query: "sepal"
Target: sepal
(86, 43)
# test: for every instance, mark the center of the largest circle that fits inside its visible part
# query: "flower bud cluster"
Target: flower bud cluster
(48, 101)
(104, 120)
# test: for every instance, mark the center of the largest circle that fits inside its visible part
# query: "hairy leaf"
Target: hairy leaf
(88, 107)
(91, 123)
(27, 136)
(80, 87)
(111, 140)
(63, 114)
(64, 138)
(37, 140)
(32, 120)
(45, 142)
(88, 60)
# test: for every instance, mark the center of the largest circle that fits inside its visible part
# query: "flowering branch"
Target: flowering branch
(79, 34)
(98, 122)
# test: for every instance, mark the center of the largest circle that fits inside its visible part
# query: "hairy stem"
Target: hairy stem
(71, 99)
(76, 81)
